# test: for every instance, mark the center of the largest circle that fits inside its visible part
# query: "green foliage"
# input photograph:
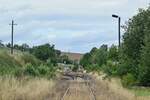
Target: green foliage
(101, 56)
(39, 71)
(28, 58)
(133, 41)
(7, 60)
(31, 70)
(95, 59)
(144, 67)
(31, 66)
(64, 59)
(44, 52)
(23, 47)
(110, 68)
(126, 66)
(128, 80)
(1, 44)
(135, 50)
(86, 60)
(113, 53)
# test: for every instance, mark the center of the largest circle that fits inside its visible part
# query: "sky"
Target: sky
(71, 25)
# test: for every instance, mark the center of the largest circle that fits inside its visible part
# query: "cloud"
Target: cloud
(75, 25)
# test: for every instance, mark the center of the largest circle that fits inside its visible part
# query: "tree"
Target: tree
(93, 55)
(96, 57)
(133, 39)
(1, 43)
(16, 46)
(86, 60)
(113, 53)
(25, 47)
(44, 52)
(104, 46)
(144, 67)
(65, 58)
(101, 55)
(8, 45)
(93, 50)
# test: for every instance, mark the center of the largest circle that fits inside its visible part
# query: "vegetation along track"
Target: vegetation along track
(79, 86)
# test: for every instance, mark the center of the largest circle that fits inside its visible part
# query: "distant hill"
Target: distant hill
(73, 56)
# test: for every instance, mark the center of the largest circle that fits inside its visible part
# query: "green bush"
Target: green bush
(144, 66)
(31, 70)
(39, 71)
(128, 80)
(94, 67)
(43, 70)
(110, 68)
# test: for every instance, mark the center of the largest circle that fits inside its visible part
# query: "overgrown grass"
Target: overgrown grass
(24, 89)
(7, 60)
(17, 59)
(138, 91)
(28, 58)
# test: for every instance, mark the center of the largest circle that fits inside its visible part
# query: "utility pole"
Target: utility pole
(12, 35)
(119, 35)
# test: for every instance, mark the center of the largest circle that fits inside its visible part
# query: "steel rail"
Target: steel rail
(65, 94)
(91, 91)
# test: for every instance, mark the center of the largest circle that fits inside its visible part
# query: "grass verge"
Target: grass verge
(138, 91)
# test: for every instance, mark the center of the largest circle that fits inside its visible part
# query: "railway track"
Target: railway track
(66, 92)
(92, 94)
(86, 82)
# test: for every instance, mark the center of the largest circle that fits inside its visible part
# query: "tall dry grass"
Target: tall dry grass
(24, 89)
(115, 87)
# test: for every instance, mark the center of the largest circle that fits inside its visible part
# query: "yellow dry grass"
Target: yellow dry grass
(114, 85)
(24, 89)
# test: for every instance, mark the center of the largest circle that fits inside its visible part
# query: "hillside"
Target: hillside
(73, 56)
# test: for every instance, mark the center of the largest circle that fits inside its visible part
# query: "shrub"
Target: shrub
(92, 67)
(39, 71)
(31, 70)
(125, 66)
(144, 67)
(110, 68)
(128, 80)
